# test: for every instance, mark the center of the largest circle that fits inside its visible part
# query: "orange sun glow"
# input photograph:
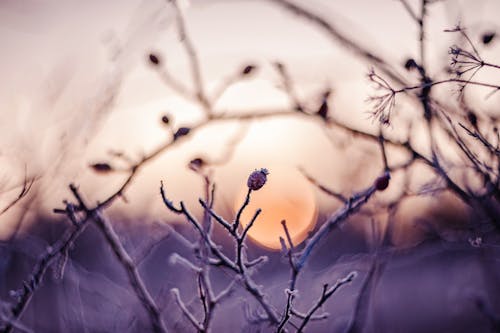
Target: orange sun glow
(285, 196)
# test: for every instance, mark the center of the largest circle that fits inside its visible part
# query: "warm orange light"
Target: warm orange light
(285, 196)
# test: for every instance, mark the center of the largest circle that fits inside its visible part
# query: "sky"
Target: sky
(76, 83)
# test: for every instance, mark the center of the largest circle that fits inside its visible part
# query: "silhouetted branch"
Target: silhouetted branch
(326, 293)
(125, 260)
(240, 265)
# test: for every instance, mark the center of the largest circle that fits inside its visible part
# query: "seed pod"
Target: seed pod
(257, 179)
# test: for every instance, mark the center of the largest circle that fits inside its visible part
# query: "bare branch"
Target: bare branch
(327, 293)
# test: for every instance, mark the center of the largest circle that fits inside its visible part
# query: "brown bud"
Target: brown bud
(410, 64)
(248, 69)
(323, 110)
(257, 179)
(154, 59)
(472, 118)
(165, 119)
(488, 37)
(196, 164)
(101, 167)
(382, 182)
(182, 131)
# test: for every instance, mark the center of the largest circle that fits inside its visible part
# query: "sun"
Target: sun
(285, 196)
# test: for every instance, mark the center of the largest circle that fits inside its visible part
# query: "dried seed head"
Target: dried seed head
(382, 182)
(257, 179)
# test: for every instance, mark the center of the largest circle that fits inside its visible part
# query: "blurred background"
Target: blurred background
(80, 87)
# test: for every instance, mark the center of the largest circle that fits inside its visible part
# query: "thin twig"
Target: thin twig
(325, 295)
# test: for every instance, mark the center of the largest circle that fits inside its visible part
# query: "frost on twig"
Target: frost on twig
(241, 267)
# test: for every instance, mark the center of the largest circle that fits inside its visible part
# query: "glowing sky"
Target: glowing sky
(60, 62)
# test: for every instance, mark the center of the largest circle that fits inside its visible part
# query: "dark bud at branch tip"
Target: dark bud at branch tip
(182, 131)
(165, 119)
(382, 182)
(257, 179)
(472, 119)
(410, 64)
(196, 164)
(248, 69)
(323, 110)
(101, 167)
(153, 58)
(488, 37)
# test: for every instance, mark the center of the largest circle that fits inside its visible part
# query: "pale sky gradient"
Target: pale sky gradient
(60, 61)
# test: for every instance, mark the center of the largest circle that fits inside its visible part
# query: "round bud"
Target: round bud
(165, 119)
(488, 37)
(196, 164)
(182, 131)
(248, 69)
(101, 167)
(154, 59)
(410, 64)
(257, 179)
(382, 182)
(472, 118)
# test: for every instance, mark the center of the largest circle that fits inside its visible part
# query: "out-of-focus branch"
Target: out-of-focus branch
(135, 279)
(186, 311)
(340, 38)
(125, 260)
(30, 286)
(194, 61)
(26, 187)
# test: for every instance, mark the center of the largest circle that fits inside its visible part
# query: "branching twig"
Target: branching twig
(326, 293)
(353, 205)
(127, 263)
(240, 265)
